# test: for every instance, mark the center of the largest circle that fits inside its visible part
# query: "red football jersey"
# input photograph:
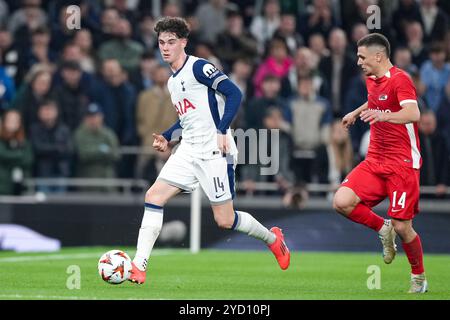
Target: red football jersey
(393, 143)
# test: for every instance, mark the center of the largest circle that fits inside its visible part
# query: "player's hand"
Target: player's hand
(373, 116)
(160, 143)
(222, 143)
(348, 120)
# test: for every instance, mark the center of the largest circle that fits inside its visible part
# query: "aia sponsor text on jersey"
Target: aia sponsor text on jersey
(183, 106)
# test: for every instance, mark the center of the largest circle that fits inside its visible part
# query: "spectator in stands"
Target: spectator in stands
(272, 119)
(359, 30)
(256, 107)
(29, 15)
(88, 59)
(206, 51)
(443, 116)
(71, 94)
(336, 68)
(435, 74)
(264, 25)
(318, 45)
(61, 33)
(434, 21)
(7, 89)
(109, 20)
(11, 58)
(356, 96)
(414, 41)
(240, 74)
(117, 98)
(146, 35)
(278, 62)
(71, 52)
(34, 17)
(37, 88)
(172, 9)
(407, 11)
(97, 147)
(339, 156)
(123, 49)
(4, 12)
(154, 114)
(288, 31)
(235, 42)
(357, 11)
(124, 10)
(211, 16)
(318, 19)
(40, 52)
(403, 60)
(311, 119)
(142, 78)
(435, 154)
(194, 34)
(16, 155)
(305, 64)
(52, 146)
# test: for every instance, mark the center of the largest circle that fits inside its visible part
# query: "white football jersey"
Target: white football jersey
(200, 107)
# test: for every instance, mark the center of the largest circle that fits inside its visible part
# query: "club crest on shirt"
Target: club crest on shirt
(382, 97)
(209, 70)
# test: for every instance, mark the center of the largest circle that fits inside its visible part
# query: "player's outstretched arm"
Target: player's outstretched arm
(409, 113)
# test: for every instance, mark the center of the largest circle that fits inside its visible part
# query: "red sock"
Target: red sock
(363, 215)
(414, 253)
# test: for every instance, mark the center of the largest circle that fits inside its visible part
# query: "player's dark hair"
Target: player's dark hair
(375, 39)
(175, 25)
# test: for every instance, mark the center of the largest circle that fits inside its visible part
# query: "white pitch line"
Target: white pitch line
(41, 297)
(76, 256)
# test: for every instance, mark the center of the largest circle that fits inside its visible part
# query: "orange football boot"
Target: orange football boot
(136, 275)
(279, 249)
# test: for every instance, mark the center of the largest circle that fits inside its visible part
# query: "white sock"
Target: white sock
(247, 224)
(148, 233)
(385, 228)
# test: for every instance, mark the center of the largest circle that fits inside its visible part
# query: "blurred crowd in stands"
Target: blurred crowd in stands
(72, 99)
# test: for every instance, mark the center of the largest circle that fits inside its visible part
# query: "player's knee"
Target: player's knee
(341, 205)
(224, 222)
(401, 228)
(344, 201)
(151, 196)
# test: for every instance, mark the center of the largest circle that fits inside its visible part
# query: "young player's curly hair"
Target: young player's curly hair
(175, 25)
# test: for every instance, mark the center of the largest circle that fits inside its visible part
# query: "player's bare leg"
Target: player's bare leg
(413, 249)
(347, 203)
(155, 199)
(227, 218)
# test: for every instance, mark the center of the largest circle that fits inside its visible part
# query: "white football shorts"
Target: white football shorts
(215, 176)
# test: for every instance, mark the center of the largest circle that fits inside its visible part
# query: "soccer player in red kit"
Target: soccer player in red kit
(391, 167)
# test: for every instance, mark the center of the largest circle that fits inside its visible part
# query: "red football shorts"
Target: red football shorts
(373, 182)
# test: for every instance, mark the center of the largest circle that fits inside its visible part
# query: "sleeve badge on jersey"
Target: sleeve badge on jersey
(210, 71)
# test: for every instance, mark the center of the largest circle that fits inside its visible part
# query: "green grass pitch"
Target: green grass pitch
(216, 274)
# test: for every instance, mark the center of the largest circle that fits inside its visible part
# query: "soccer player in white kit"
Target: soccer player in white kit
(206, 102)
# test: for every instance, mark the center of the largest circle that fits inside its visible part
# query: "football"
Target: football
(114, 266)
